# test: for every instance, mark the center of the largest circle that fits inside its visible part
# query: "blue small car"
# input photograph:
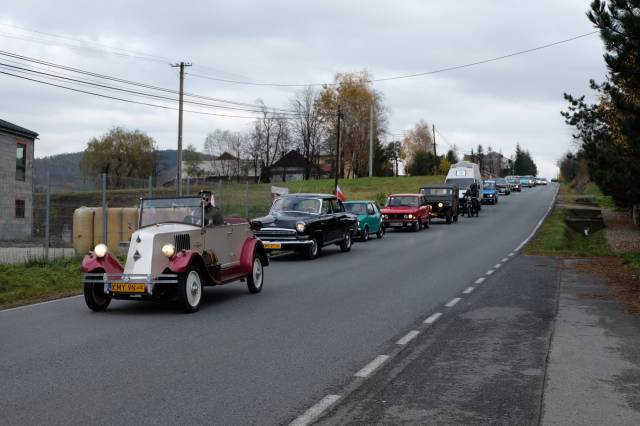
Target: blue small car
(369, 218)
(489, 192)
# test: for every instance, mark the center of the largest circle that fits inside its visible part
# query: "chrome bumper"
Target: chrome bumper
(148, 280)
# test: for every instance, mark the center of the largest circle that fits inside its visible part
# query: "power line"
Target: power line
(406, 76)
(133, 83)
(123, 99)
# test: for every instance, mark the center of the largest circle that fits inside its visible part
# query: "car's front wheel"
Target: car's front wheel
(313, 250)
(365, 234)
(256, 277)
(190, 289)
(95, 298)
(345, 244)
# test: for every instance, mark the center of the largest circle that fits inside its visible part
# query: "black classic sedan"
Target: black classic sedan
(306, 223)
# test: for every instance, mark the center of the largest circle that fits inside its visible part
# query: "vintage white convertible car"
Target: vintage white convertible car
(174, 254)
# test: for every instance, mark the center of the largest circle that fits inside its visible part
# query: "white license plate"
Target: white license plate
(395, 223)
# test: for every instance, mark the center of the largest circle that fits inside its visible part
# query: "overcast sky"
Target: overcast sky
(516, 100)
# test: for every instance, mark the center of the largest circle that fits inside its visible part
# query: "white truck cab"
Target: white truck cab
(463, 174)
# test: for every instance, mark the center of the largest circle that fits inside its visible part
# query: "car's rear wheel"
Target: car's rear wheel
(255, 279)
(95, 298)
(345, 244)
(365, 234)
(314, 249)
(190, 289)
(380, 232)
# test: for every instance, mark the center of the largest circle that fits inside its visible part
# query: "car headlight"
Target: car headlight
(384, 216)
(168, 250)
(300, 226)
(440, 205)
(410, 216)
(101, 250)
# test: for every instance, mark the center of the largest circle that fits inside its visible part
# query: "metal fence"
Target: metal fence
(46, 231)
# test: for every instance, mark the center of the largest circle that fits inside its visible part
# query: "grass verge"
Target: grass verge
(39, 280)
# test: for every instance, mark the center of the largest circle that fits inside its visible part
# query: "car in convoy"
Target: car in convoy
(173, 254)
(526, 182)
(369, 218)
(406, 211)
(489, 192)
(541, 181)
(306, 223)
(443, 199)
(514, 181)
(504, 187)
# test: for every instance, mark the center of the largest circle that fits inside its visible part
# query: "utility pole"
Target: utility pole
(435, 155)
(337, 167)
(371, 141)
(179, 165)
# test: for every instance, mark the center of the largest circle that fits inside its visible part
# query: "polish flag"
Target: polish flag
(339, 194)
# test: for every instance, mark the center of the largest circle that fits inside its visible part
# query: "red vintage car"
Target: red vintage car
(406, 211)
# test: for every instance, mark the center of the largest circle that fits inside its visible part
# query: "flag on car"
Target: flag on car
(339, 194)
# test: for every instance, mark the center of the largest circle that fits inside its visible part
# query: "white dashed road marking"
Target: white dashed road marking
(408, 337)
(490, 271)
(511, 254)
(468, 290)
(372, 366)
(433, 318)
(314, 412)
(453, 302)
(504, 259)
(480, 280)
(497, 265)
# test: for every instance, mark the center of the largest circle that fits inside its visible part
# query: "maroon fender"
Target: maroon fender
(109, 263)
(182, 260)
(251, 246)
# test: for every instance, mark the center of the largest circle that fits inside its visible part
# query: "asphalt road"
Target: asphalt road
(248, 359)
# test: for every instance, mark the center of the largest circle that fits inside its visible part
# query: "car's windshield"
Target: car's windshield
(296, 205)
(489, 184)
(356, 208)
(501, 181)
(176, 210)
(436, 191)
(397, 201)
(462, 183)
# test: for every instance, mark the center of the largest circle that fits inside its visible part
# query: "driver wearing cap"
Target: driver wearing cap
(212, 215)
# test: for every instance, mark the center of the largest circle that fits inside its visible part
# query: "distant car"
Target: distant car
(541, 181)
(369, 218)
(489, 192)
(514, 181)
(443, 199)
(504, 187)
(406, 211)
(525, 182)
(306, 223)
(174, 255)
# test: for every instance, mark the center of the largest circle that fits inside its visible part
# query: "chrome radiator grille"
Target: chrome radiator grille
(182, 242)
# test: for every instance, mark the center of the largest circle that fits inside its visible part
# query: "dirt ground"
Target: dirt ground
(622, 235)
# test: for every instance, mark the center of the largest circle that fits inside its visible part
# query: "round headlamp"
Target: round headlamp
(300, 226)
(101, 250)
(168, 250)
(410, 216)
(440, 205)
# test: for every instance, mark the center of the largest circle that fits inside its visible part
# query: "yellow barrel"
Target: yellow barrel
(129, 222)
(83, 229)
(114, 230)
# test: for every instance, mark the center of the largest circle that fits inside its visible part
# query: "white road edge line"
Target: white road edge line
(453, 302)
(504, 259)
(17, 308)
(540, 222)
(372, 366)
(314, 412)
(490, 271)
(433, 318)
(469, 290)
(480, 280)
(408, 337)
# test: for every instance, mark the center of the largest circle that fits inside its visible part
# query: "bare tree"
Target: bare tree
(308, 127)
(271, 131)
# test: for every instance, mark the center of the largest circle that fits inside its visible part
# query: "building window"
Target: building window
(19, 209)
(21, 161)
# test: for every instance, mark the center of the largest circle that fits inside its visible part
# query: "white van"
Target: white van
(464, 174)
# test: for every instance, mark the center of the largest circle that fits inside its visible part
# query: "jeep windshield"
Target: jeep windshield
(296, 205)
(402, 201)
(171, 210)
(437, 191)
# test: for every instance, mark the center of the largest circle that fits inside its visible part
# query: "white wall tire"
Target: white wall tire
(190, 290)
(256, 277)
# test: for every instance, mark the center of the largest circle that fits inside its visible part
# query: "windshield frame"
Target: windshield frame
(143, 200)
(319, 200)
